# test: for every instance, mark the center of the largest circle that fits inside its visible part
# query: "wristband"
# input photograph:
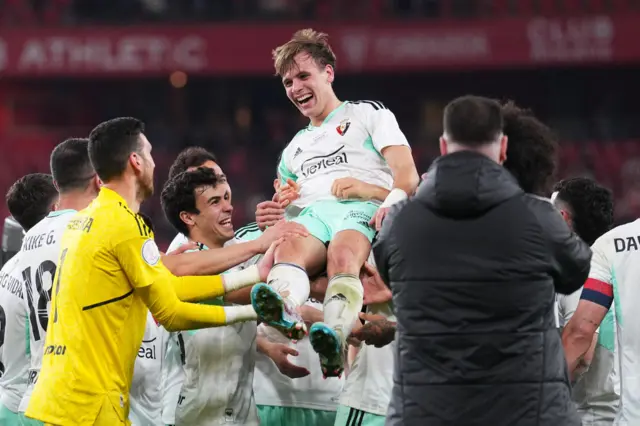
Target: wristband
(239, 279)
(394, 196)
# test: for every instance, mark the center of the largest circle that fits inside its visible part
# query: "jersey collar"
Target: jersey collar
(111, 195)
(331, 114)
(57, 213)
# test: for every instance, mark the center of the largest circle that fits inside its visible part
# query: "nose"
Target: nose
(296, 86)
(227, 207)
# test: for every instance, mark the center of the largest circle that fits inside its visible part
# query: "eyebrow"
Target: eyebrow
(217, 197)
(284, 80)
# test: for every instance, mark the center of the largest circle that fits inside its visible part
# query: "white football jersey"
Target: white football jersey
(218, 365)
(178, 240)
(348, 143)
(14, 360)
(566, 305)
(273, 388)
(146, 386)
(615, 268)
(41, 247)
(172, 378)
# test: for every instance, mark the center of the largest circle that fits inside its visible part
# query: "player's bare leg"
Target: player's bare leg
(347, 253)
(295, 259)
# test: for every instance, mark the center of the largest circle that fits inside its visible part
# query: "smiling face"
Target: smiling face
(308, 85)
(215, 210)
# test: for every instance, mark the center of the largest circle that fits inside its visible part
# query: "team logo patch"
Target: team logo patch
(343, 127)
(150, 252)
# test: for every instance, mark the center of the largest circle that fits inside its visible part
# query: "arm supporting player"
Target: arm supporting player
(197, 288)
(161, 291)
(212, 261)
(175, 315)
(405, 175)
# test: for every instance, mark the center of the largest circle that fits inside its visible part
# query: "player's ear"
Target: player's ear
(328, 69)
(567, 218)
(187, 218)
(136, 162)
(443, 146)
(96, 182)
(504, 142)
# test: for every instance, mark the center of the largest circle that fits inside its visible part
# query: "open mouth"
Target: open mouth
(301, 100)
(226, 223)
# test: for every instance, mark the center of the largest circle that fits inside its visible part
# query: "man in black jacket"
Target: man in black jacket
(474, 263)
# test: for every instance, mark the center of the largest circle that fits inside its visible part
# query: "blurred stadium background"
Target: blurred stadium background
(199, 72)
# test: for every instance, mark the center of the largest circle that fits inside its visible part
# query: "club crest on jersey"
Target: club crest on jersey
(150, 252)
(343, 127)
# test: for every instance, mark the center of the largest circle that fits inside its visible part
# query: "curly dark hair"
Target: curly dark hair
(590, 205)
(531, 151)
(31, 198)
(179, 194)
(193, 156)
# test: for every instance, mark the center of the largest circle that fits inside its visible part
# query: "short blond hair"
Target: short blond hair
(315, 43)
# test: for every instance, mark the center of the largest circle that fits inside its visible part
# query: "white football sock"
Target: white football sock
(291, 278)
(343, 303)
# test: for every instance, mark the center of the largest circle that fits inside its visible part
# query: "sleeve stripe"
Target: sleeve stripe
(142, 227)
(596, 297)
(375, 104)
(599, 286)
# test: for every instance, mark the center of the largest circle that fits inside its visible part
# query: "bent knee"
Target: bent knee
(342, 258)
(307, 252)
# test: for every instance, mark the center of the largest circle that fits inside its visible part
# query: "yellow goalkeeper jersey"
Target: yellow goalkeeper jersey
(96, 320)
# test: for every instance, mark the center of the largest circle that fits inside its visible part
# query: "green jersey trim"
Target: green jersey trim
(368, 144)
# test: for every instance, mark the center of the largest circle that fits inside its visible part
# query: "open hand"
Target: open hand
(351, 188)
(279, 353)
(266, 263)
(377, 331)
(376, 220)
(288, 193)
(268, 213)
(375, 290)
(280, 230)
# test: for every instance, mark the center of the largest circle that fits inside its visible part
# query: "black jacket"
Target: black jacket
(474, 264)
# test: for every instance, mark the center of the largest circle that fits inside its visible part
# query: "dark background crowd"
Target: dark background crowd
(246, 120)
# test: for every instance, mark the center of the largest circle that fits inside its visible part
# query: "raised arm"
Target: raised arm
(392, 144)
(216, 261)
(162, 291)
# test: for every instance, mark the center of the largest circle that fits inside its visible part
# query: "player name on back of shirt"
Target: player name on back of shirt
(32, 242)
(11, 284)
(80, 224)
(626, 244)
